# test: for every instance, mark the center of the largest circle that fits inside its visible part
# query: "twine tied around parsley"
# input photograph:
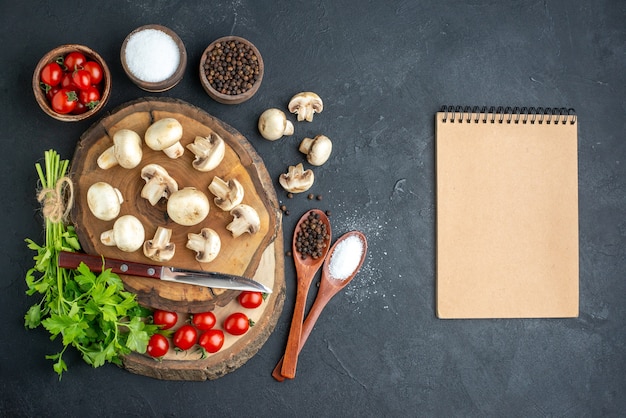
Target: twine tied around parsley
(57, 202)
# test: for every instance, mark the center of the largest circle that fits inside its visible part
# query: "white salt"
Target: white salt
(346, 257)
(152, 55)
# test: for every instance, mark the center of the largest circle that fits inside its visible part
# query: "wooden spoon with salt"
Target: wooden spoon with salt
(306, 268)
(329, 285)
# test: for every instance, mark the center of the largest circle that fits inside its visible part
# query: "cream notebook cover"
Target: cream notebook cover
(507, 213)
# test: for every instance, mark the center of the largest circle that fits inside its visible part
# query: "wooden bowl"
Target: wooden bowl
(160, 85)
(51, 56)
(220, 96)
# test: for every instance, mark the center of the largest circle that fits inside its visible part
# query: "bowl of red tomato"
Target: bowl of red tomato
(71, 83)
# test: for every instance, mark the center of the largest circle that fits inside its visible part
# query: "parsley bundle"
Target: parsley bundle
(93, 313)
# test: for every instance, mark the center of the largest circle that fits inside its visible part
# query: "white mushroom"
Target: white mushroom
(245, 219)
(297, 180)
(164, 135)
(104, 200)
(206, 244)
(158, 183)
(160, 248)
(317, 149)
(209, 152)
(305, 104)
(127, 234)
(227, 194)
(188, 206)
(126, 151)
(273, 124)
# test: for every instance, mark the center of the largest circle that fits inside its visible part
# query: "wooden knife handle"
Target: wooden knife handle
(96, 263)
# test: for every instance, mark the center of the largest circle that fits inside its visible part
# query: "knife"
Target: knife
(171, 274)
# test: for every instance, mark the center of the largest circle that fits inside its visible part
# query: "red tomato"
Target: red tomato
(81, 79)
(74, 60)
(51, 74)
(50, 94)
(64, 101)
(185, 337)
(237, 324)
(204, 321)
(158, 346)
(250, 300)
(165, 319)
(90, 97)
(95, 71)
(79, 108)
(212, 340)
(67, 82)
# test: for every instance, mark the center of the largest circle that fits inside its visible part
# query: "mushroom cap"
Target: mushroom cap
(206, 244)
(245, 219)
(305, 104)
(209, 152)
(160, 248)
(163, 134)
(104, 200)
(297, 180)
(273, 124)
(127, 234)
(317, 150)
(158, 183)
(188, 206)
(127, 147)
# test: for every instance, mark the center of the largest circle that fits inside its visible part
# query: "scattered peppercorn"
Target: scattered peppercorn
(319, 197)
(328, 213)
(312, 238)
(231, 67)
(310, 196)
(290, 195)
(288, 254)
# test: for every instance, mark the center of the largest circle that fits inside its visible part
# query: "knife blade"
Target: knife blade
(171, 274)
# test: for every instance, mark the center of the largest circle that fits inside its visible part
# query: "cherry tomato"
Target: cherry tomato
(157, 346)
(212, 340)
(79, 108)
(67, 82)
(51, 74)
(51, 92)
(90, 97)
(237, 323)
(185, 337)
(250, 300)
(81, 79)
(95, 71)
(204, 321)
(64, 101)
(74, 60)
(165, 319)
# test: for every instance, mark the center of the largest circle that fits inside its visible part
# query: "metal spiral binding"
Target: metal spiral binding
(508, 115)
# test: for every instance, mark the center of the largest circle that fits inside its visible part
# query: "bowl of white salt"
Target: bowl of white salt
(154, 58)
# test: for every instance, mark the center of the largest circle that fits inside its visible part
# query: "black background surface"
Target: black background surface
(383, 68)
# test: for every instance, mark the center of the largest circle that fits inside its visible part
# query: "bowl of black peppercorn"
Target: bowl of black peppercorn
(231, 70)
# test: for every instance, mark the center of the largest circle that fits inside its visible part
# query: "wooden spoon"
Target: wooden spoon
(305, 270)
(329, 287)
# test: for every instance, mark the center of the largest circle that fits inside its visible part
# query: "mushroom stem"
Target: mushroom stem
(206, 244)
(160, 248)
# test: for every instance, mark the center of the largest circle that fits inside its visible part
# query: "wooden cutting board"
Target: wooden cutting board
(258, 256)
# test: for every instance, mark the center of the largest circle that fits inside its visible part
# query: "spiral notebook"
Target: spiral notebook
(507, 213)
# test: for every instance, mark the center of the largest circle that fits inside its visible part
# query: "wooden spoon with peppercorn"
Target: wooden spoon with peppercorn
(333, 280)
(311, 241)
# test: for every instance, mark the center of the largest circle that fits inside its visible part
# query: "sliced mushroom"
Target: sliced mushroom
(158, 183)
(206, 244)
(273, 124)
(104, 200)
(160, 248)
(188, 206)
(127, 234)
(305, 104)
(245, 219)
(164, 135)
(317, 149)
(297, 180)
(227, 194)
(126, 151)
(209, 152)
